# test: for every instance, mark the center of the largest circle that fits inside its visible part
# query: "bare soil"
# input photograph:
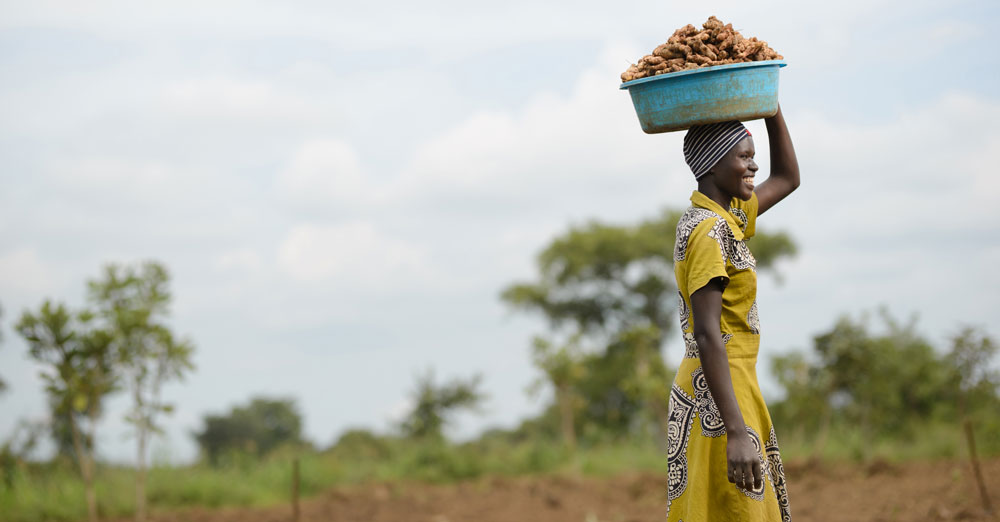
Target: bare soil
(876, 492)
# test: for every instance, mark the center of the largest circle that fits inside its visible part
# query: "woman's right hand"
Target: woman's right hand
(744, 462)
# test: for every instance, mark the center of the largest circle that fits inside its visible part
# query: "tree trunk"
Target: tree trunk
(92, 462)
(296, 513)
(970, 439)
(140, 477)
(565, 400)
(142, 433)
(86, 468)
(655, 404)
(824, 430)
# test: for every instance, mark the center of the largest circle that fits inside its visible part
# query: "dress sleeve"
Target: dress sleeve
(749, 209)
(705, 259)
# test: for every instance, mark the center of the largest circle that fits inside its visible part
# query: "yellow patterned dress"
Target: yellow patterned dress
(711, 243)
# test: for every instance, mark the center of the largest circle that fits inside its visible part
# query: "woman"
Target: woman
(723, 461)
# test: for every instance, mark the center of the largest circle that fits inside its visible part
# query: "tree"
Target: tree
(256, 429)
(909, 375)
(614, 286)
(971, 356)
(15, 450)
(78, 375)
(435, 404)
(133, 303)
(361, 443)
(806, 406)
(973, 372)
(885, 383)
(563, 369)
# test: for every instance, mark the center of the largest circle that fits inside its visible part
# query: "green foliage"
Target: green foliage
(256, 429)
(561, 365)
(882, 386)
(15, 450)
(51, 492)
(361, 443)
(78, 369)
(563, 368)
(433, 404)
(61, 432)
(612, 407)
(604, 278)
(612, 287)
(78, 374)
(133, 302)
(975, 377)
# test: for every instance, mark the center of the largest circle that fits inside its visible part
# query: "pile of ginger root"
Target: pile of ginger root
(689, 48)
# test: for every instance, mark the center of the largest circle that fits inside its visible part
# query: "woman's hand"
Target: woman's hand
(744, 462)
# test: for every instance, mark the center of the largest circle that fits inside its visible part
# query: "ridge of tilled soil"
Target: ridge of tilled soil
(879, 492)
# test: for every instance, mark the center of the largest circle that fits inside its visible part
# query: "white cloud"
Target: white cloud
(102, 182)
(25, 275)
(351, 255)
(929, 168)
(550, 148)
(218, 97)
(326, 173)
(955, 30)
(245, 260)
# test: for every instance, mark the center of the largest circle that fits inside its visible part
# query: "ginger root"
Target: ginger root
(689, 48)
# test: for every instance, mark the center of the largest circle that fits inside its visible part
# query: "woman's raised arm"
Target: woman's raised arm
(784, 177)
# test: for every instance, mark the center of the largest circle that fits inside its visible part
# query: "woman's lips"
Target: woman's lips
(748, 181)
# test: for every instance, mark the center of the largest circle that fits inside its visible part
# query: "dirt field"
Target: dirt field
(880, 492)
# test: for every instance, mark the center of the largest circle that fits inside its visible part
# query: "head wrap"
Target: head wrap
(705, 145)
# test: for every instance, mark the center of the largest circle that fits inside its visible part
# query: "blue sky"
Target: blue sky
(341, 191)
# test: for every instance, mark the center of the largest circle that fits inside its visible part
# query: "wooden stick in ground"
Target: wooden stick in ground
(971, 439)
(295, 490)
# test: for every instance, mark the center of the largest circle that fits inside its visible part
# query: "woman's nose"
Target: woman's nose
(753, 166)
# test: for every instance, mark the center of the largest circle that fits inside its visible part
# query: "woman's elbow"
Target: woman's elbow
(708, 343)
(794, 182)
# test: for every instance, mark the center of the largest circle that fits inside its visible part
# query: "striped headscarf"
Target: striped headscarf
(705, 145)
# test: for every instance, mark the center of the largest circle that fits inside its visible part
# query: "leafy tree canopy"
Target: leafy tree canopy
(257, 429)
(77, 367)
(133, 303)
(434, 404)
(612, 287)
(885, 382)
(607, 279)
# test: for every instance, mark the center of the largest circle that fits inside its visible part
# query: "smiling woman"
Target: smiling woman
(722, 448)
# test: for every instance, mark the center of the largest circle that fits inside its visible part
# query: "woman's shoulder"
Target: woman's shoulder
(694, 216)
(694, 222)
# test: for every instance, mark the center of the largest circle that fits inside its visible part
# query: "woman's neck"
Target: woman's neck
(706, 187)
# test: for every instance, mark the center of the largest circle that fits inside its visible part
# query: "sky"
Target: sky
(341, 190)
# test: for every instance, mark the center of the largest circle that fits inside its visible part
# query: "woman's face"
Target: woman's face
(734, 173)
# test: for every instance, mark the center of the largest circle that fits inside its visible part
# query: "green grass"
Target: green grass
(55, 492)
(929, 441)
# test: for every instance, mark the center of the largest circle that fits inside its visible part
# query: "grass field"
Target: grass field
(54, 491)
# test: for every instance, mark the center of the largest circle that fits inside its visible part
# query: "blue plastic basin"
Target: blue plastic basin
(677, 101)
